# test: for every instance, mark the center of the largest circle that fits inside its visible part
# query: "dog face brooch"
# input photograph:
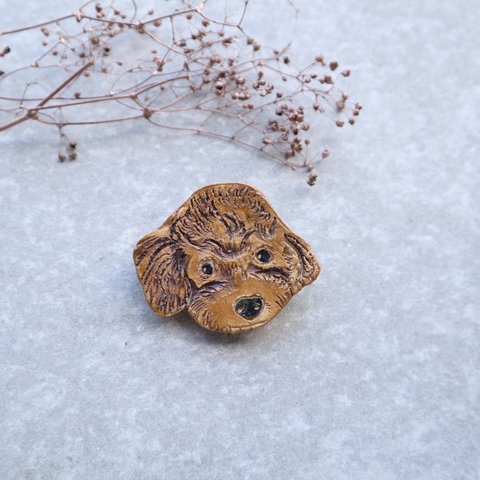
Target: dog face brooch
(226, 257)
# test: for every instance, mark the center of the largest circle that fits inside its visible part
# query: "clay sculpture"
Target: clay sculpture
(226, 257)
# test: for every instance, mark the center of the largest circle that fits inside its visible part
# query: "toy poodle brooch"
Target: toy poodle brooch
(226, 257)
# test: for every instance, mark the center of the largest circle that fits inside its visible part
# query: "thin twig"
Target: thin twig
(30, 113)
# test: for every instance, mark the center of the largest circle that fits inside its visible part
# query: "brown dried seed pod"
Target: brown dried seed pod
(312, 178)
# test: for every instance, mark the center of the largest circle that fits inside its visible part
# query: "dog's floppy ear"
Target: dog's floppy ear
(308, 267)
(161, 264)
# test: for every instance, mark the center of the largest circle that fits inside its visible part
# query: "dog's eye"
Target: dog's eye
(263, 255)
(207, 268)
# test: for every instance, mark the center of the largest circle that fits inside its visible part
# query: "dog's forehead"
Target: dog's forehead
(243, 199)
(228, 218)
(234, 248)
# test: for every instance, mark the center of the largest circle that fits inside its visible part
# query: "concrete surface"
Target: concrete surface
(373, 372)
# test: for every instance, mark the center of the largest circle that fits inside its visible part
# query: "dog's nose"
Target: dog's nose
(249, 307)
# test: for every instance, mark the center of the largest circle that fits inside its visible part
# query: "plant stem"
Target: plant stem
(30, 113)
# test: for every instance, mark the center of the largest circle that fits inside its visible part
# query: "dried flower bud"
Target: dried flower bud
(333, 66)
(159, 62)
(147, 113)
(312, 178)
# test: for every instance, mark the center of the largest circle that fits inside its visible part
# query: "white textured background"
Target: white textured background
(373, 372)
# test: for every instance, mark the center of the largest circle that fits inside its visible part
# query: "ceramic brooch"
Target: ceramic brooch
(226, 257)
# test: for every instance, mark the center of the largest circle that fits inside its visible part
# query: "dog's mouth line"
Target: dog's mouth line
(250, 326)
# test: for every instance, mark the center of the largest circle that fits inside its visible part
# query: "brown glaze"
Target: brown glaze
(226, 256)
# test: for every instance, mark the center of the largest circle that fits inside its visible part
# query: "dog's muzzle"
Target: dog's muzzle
(249, 307)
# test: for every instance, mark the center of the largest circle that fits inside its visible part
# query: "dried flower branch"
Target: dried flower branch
(195, 74)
